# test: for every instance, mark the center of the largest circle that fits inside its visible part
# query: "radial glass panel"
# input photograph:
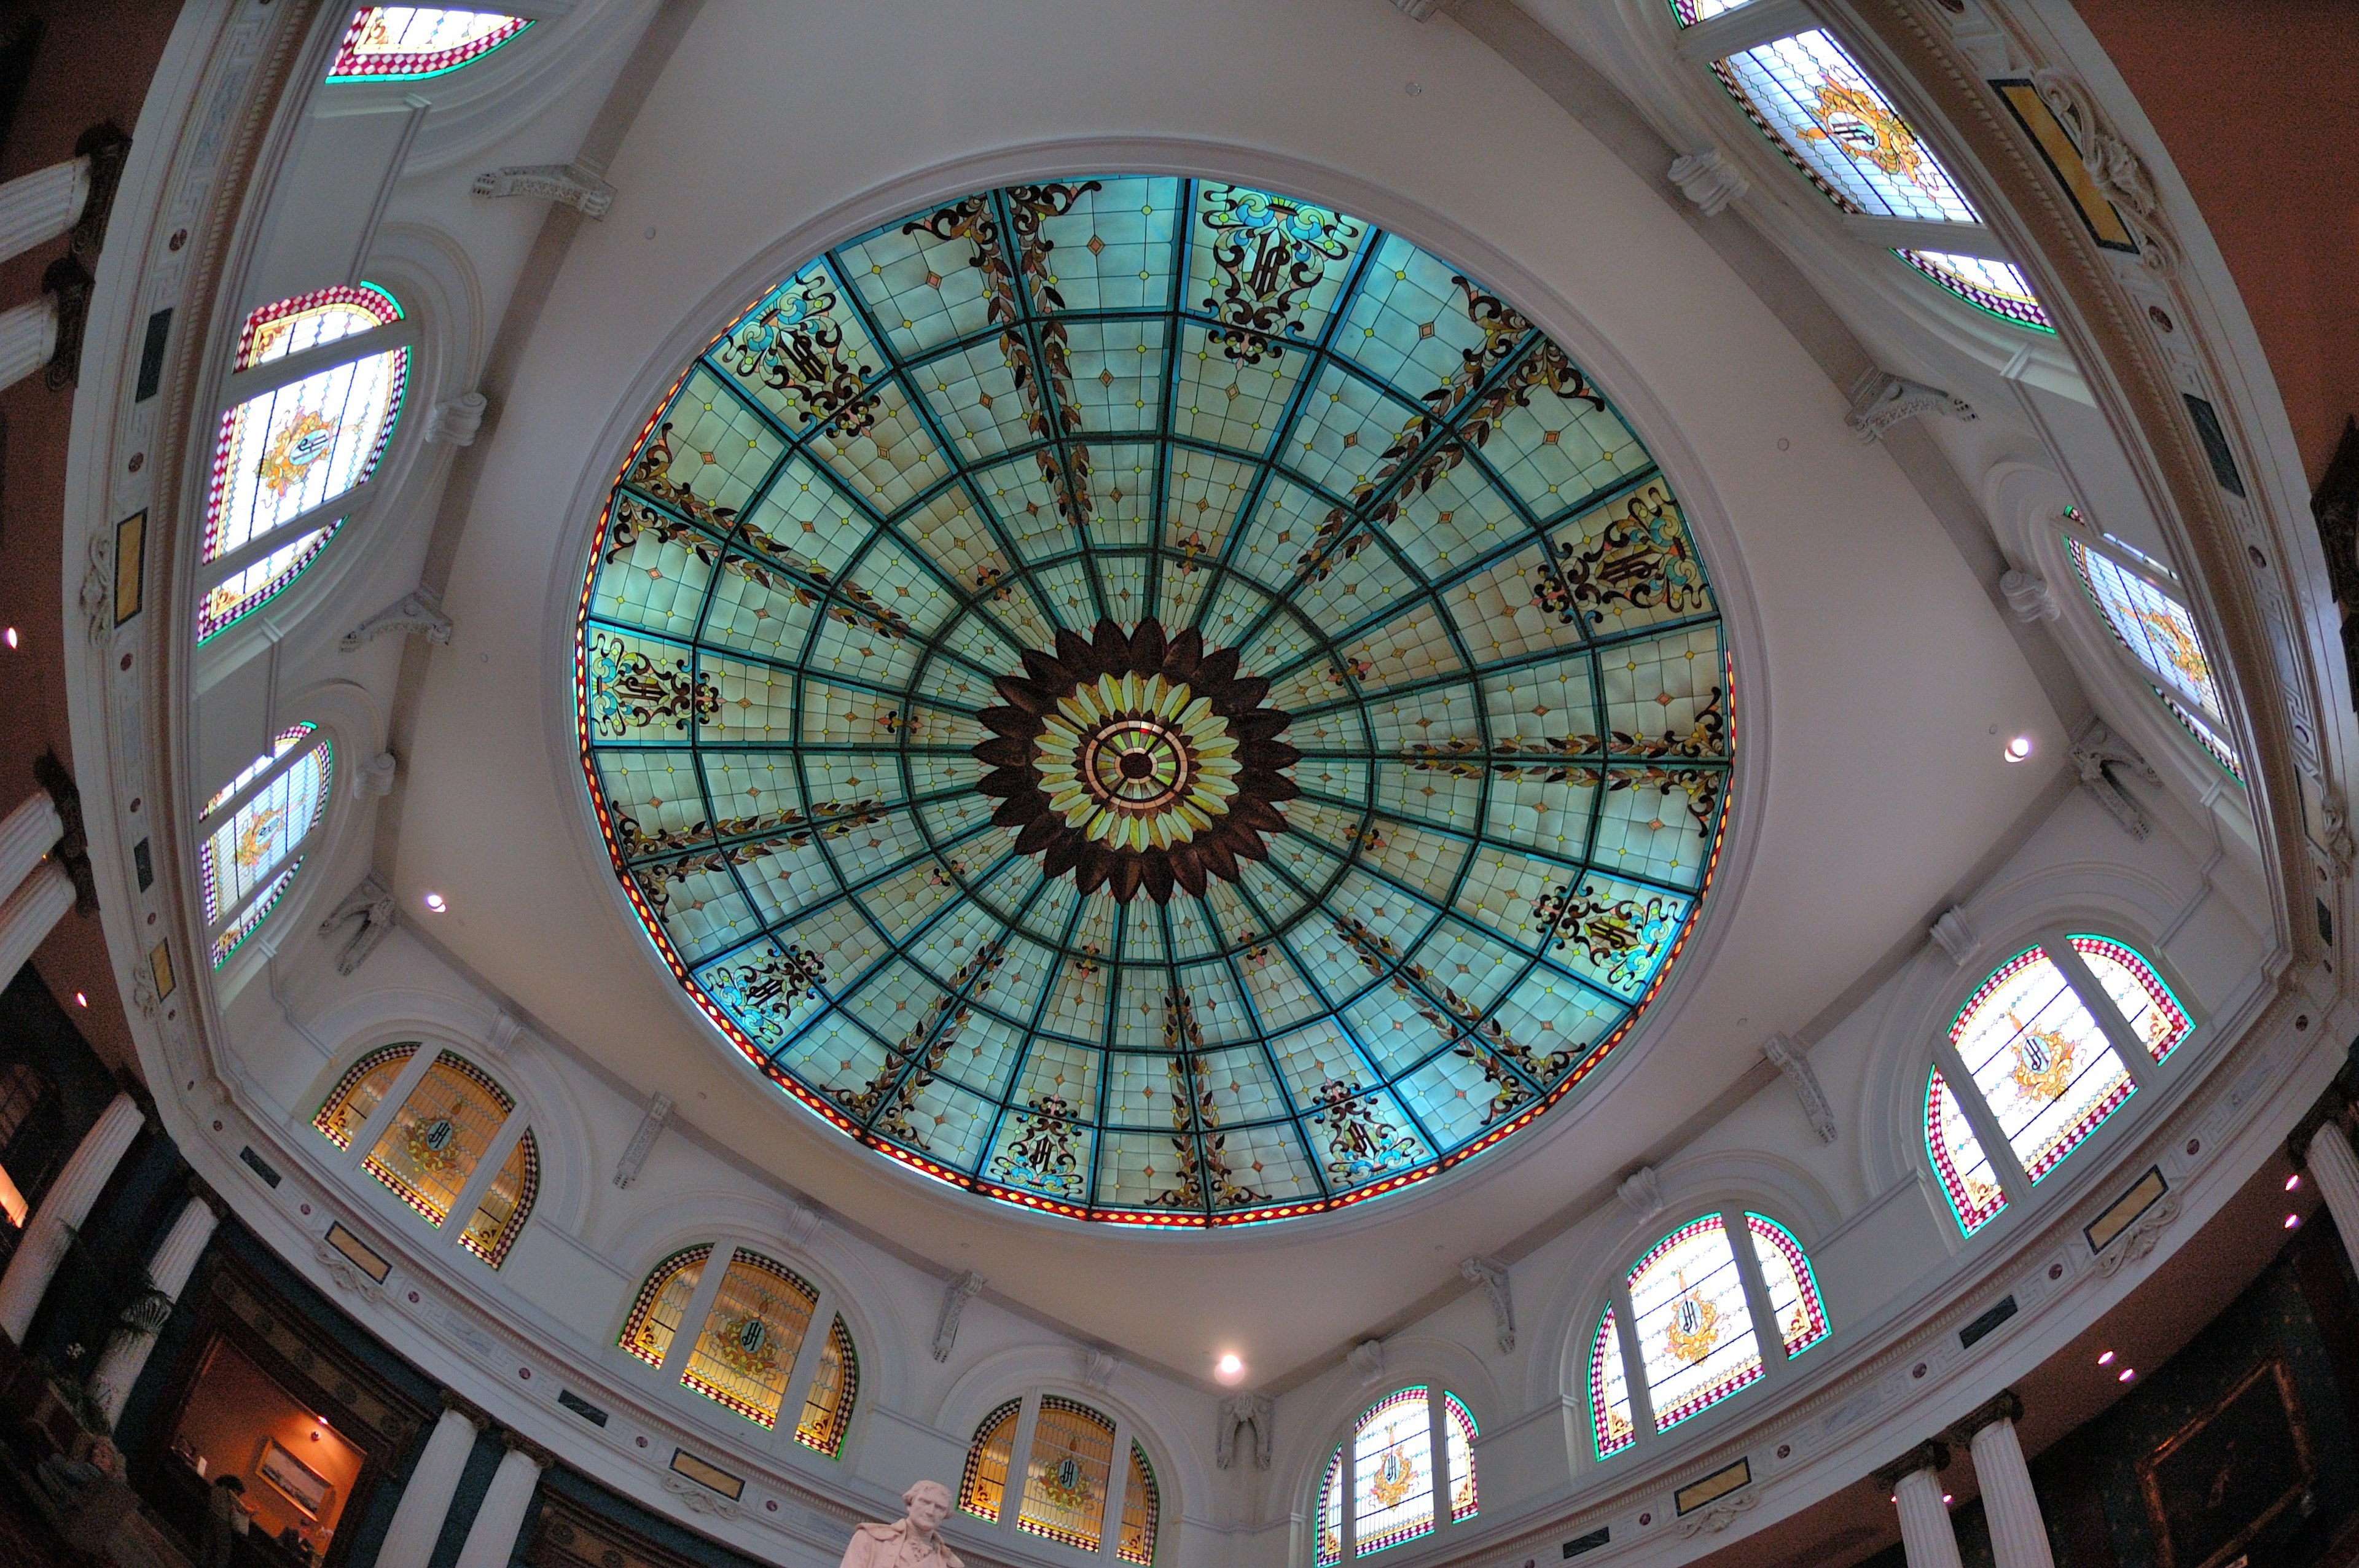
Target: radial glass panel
(1154, 701)
(1793, 1287)
(1997, 287)
(752, 1334)
(1065, 1482)
(439, 1136)
(834, 1389)
(662, 1303)
(2139, 994)
(404, 42)
(1142, 1507)
(288, 739)
(2040, 1060)
(1458, 1428)
(1968, 1180)
(308, 321)
(505, 1204)
(2160, 634)
(982, 1488)
(360, 1091)
(1331, 1512)
(243, 926)
(1392, 1472)
(243, 851)
(1610, 1421)
(1695, 1332)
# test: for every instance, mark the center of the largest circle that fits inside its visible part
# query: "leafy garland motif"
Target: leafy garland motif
(1671, 762)
(756, 838)
(1195, 1118)
(1483, 1042)
(892, 1092)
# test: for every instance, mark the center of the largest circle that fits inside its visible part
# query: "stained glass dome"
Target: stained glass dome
(1154, 701)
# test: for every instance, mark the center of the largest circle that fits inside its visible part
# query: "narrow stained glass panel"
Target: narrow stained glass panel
(2141, 996)
(505, 1204)
(1813, 100)
(1065, 1481)
(1142, 1507)
(243, 927)
(1458, 1428)
(2160, 634)
(360, 1091)
(1997, 287)
(1690, 12)
(1967, 1179)
(1793, 1287)
(242, 851)
(253, 585)
(2042, 1064)
(288, 739)
(284, 451)
(439, 1136)
(834, 1389)
(1609, 1391)
(308, 321)
(752, 1334)
(1392, 1472)
(662, 1303)
(1331, 1512)
(982, 1487)
(404, 42)
(1695, 1332)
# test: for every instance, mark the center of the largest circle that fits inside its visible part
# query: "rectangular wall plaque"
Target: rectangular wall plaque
(1984, 1324)
(707, 1474)
(258, 1166)
(1590, 1542)
(159, 969)
(130, 565)
(2065, 162)
(151, 354)
(582, 1406)
(363, 1256)
(2107, 1229)
(1715, 1487)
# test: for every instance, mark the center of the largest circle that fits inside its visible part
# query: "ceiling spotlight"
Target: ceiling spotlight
(2126, 1374)
(2292, 1221)
(80, 1000)
(436, 902)
(2106, 1359)
(1947, 1498)
(11, 635)
(2019, 748)
(2293, 1181)
(1230, 1368)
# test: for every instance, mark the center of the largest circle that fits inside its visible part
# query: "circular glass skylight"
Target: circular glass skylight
(1154, 701)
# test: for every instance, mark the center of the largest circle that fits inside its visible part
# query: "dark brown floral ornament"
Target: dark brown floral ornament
(1135, 760)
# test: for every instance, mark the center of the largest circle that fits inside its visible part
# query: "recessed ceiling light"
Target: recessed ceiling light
(2019, 748)
(1946, 1498)
(436, 902)
(2293, 1181)
(2106, 1359)
(2292, 1220)
(1230, 1368)
(11, 635)
(80, 1000)
(2126, 1374)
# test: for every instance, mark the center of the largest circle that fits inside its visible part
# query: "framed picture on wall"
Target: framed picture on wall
(309, 1491)
(2220, 1478)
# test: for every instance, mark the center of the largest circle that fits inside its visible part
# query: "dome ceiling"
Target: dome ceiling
(1154, 701)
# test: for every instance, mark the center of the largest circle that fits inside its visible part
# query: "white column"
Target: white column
(426, 1500)
(30, 913)
(42, 205)
(27, 834)
(2336, 1170)
(28, 337)
(66, 1204)
(167, 1271)
(491, 1540)
(1927, 1539)
(2018, 1535)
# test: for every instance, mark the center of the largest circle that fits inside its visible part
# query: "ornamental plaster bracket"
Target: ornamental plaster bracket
(699, 1499)
(2140, 1239)
(98, 588)
(1642, 1192)
(419, 613)
(1710, 178)
(2030, 597)
(651, 1124)
(346, 1274)
(1792, 1058)
(1880, 400)
(371, 903)
(456, 421)
(1367, 1359)
(577, 185)
(1492, 1275)
(1956, 933)
(2102, 758)
(1718, 1516)
(1099, 1369)
(955, 1296)
(506, 1027)
(373, 780)
(2113, 168)
(1257, 1410)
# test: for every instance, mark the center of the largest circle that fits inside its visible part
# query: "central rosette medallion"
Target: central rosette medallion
(1136, 760)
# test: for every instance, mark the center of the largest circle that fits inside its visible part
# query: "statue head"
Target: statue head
(928, 1503)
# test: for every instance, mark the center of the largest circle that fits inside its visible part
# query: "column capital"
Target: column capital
(517, 1443)
(459, 1404)
(2333, 1108)
(2006, 1406)
(1931, 1455)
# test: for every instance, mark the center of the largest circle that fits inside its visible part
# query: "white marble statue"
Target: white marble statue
(912, 1542)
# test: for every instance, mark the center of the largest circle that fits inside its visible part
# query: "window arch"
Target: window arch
(302, 432)
(1808, 98)
(1705, 1312)
(2159, 636)
(755, 1317)
(403, 43)
(1385, 1484)
(2053, 1042)
(255, 832)
(441, 1135)
(1069, 1478)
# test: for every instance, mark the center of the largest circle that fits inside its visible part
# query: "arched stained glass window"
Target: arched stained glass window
(2142, 997)
(440, 1134)
(1065, 1479)
(1458, 1431)
(1381, 1486)
(1142, 1509)
(254, 832)
(983, 1486)
(1331, 1511)
(1070, 1488)
(500, 1214)
(293, 447)
(1609, 1391)
(360, 1091)
(2040, 1060)
(1805, 93)
(753, 1333)
(1965, 1171)
(1690, 1300)
(397, 43)
(2157, 631)
(662, 1303)
(835, 1388)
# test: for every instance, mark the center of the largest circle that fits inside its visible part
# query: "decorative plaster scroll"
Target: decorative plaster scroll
(373, 780)
(506, 1027)
(419, 611)
(2101, 757)
(97, 597)
(2335, 811)
(1099, 1369)
(1257, 1410)
(699, 1499)
(2139, 1239)
(955, 1296)
(2114, 168)
(1955, 932)
(801, 1226)
(1642, 1192)
(371, 903)
(573, 185)
(347, 1275)
(1708, 178)
(2030, 597)
(455, 421)
(1788, 1056)
(1367, 1359)
(1720, 1515)
(626, 1169)
(1492, 1275)
(1882, 400)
